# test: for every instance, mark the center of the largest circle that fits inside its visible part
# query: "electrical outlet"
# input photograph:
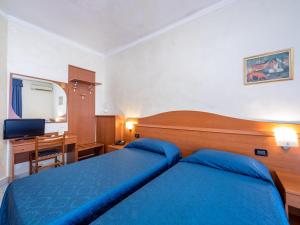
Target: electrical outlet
(261, 152)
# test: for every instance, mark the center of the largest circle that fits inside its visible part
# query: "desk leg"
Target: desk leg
(12, 167)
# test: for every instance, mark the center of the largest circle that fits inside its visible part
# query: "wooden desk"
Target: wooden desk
(27, 146)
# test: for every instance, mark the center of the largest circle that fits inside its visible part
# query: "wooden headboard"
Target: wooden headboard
(191, 130)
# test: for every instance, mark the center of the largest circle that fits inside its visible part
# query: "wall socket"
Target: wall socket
(261, 152)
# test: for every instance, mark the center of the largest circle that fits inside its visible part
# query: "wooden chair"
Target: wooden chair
(46, 148)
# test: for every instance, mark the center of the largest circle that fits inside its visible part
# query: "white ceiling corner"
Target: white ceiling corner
(106, 27)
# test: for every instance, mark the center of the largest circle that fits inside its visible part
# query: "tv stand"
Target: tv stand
(24, 138)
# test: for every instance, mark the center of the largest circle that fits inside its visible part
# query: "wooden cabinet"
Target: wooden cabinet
(291, 188)
(110, 128)
(81, 104)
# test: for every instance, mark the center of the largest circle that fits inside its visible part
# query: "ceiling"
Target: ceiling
(103, 25)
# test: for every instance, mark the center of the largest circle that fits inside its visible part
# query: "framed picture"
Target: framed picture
(272, 66)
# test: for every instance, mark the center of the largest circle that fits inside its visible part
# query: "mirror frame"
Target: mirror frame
(63, 85)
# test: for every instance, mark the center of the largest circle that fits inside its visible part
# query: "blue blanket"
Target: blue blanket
(79, 192)
(191, 193)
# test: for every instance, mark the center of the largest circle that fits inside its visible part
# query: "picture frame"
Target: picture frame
(269, 67)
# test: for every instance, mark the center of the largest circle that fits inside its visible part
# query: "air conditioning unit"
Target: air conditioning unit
(41, 86)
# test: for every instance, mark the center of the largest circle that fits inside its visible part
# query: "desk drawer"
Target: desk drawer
(293, 200)
(23, 148)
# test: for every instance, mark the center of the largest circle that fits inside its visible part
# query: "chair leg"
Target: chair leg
(30, 164)
(36, 166)
(55, 160)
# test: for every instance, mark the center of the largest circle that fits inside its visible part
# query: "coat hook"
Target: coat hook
(90, 89)
(82, 97)
(75, 85)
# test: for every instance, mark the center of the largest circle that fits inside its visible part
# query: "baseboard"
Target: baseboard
(5, 180)
(20, 175)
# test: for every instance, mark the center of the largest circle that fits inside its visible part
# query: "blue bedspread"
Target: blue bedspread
(79, 192)
(194, 194)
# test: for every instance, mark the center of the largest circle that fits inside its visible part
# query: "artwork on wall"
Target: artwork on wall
(273, 66)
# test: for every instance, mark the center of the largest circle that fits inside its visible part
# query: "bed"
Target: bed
(209, 187)
(78, 193)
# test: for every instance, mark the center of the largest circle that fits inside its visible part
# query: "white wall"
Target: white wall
(35, 52)
(199, 65)
(3, 88)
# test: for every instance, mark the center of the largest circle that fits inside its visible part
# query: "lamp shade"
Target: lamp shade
(129, 125)
(286, 137)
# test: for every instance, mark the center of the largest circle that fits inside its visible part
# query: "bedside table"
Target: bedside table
(111, 148)
(291, 185)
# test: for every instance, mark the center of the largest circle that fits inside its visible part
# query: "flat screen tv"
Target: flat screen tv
(23, 128)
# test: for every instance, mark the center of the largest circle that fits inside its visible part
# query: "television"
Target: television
(23, 128)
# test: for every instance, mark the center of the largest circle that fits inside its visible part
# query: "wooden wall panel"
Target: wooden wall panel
(106, 129)
(76, 73)
(119, 128)
(81, 107)
(194, 119)
(110, 129)
(194, 130)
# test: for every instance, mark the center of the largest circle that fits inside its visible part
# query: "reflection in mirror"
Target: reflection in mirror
(37, 98)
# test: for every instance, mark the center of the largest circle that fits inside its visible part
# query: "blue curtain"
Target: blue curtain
(17, 96)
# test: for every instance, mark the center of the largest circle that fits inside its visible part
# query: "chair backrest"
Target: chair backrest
(50, 142)
(52, 134)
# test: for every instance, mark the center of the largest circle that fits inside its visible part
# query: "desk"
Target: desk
(27, 146)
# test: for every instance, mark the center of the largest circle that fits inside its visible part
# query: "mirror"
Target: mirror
(38, 98)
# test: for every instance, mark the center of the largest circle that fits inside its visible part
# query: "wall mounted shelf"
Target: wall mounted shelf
(85, 82)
